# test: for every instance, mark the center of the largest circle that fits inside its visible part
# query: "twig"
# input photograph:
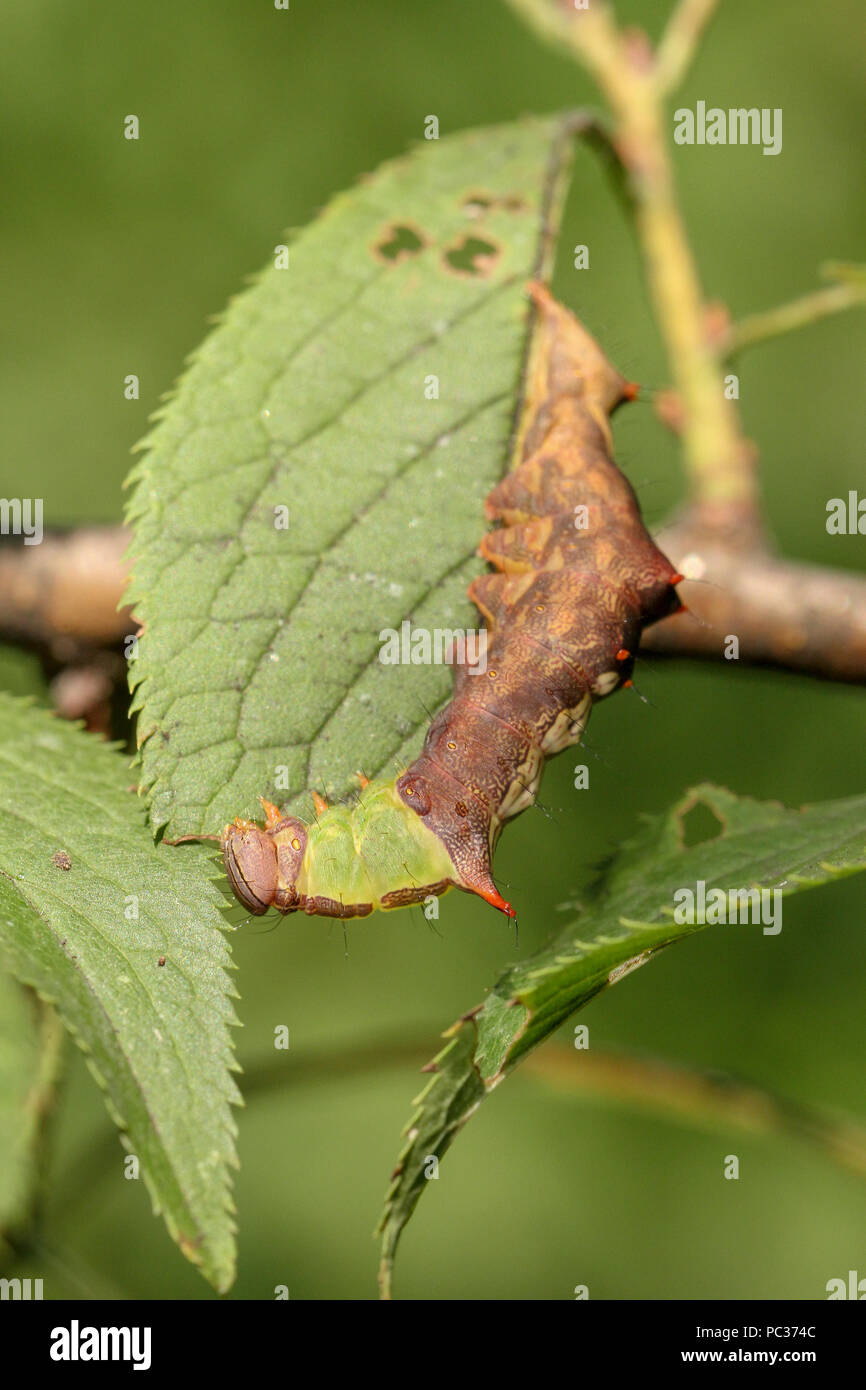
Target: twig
(795, 617)
(698, 1097)
(719, 460)
(799, 313)
(680, 40)
(784, 614)
(64, 592)
(652, 1084)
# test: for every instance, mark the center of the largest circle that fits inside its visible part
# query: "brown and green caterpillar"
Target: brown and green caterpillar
(577, 578)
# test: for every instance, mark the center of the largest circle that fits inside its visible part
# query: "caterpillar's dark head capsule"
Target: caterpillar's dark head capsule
(250, 857)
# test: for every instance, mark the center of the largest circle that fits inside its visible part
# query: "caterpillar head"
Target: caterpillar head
(463, 825)
(263, 865)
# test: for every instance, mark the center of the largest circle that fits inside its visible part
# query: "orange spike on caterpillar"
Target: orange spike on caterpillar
(576, 578)
(273, 815)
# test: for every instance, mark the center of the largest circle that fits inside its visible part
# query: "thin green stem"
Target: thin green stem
(799, 313)
(698, 1098)
(718, 459)
(680, 41)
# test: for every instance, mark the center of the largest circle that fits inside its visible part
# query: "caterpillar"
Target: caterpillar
(575, 578)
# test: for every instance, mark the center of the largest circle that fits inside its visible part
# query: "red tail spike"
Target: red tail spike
(631, 391)
(495, 899)
(677, 578)
(480, 882)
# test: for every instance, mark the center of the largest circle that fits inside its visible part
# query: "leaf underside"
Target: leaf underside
(258, 670)
(127, 940)
(759, 845)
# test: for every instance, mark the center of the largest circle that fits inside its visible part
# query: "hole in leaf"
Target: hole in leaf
(472, 255)
(400, 241)
(700, 824)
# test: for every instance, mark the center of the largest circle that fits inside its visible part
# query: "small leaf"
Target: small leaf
(320, 476)
(126, 939)
(758, 845)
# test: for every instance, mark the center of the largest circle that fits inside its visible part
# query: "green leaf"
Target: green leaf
(261, 644)
(758, 845)
(126, 939)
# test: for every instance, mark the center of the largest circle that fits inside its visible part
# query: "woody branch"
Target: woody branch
(63, 597)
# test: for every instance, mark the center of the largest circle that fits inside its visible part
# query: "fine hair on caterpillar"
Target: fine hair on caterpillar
(564, 605)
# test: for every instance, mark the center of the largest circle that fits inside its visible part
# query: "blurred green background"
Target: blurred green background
(115, 254)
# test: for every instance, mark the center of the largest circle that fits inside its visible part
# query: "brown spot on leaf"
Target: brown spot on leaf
(61, 860)
(476, 204)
